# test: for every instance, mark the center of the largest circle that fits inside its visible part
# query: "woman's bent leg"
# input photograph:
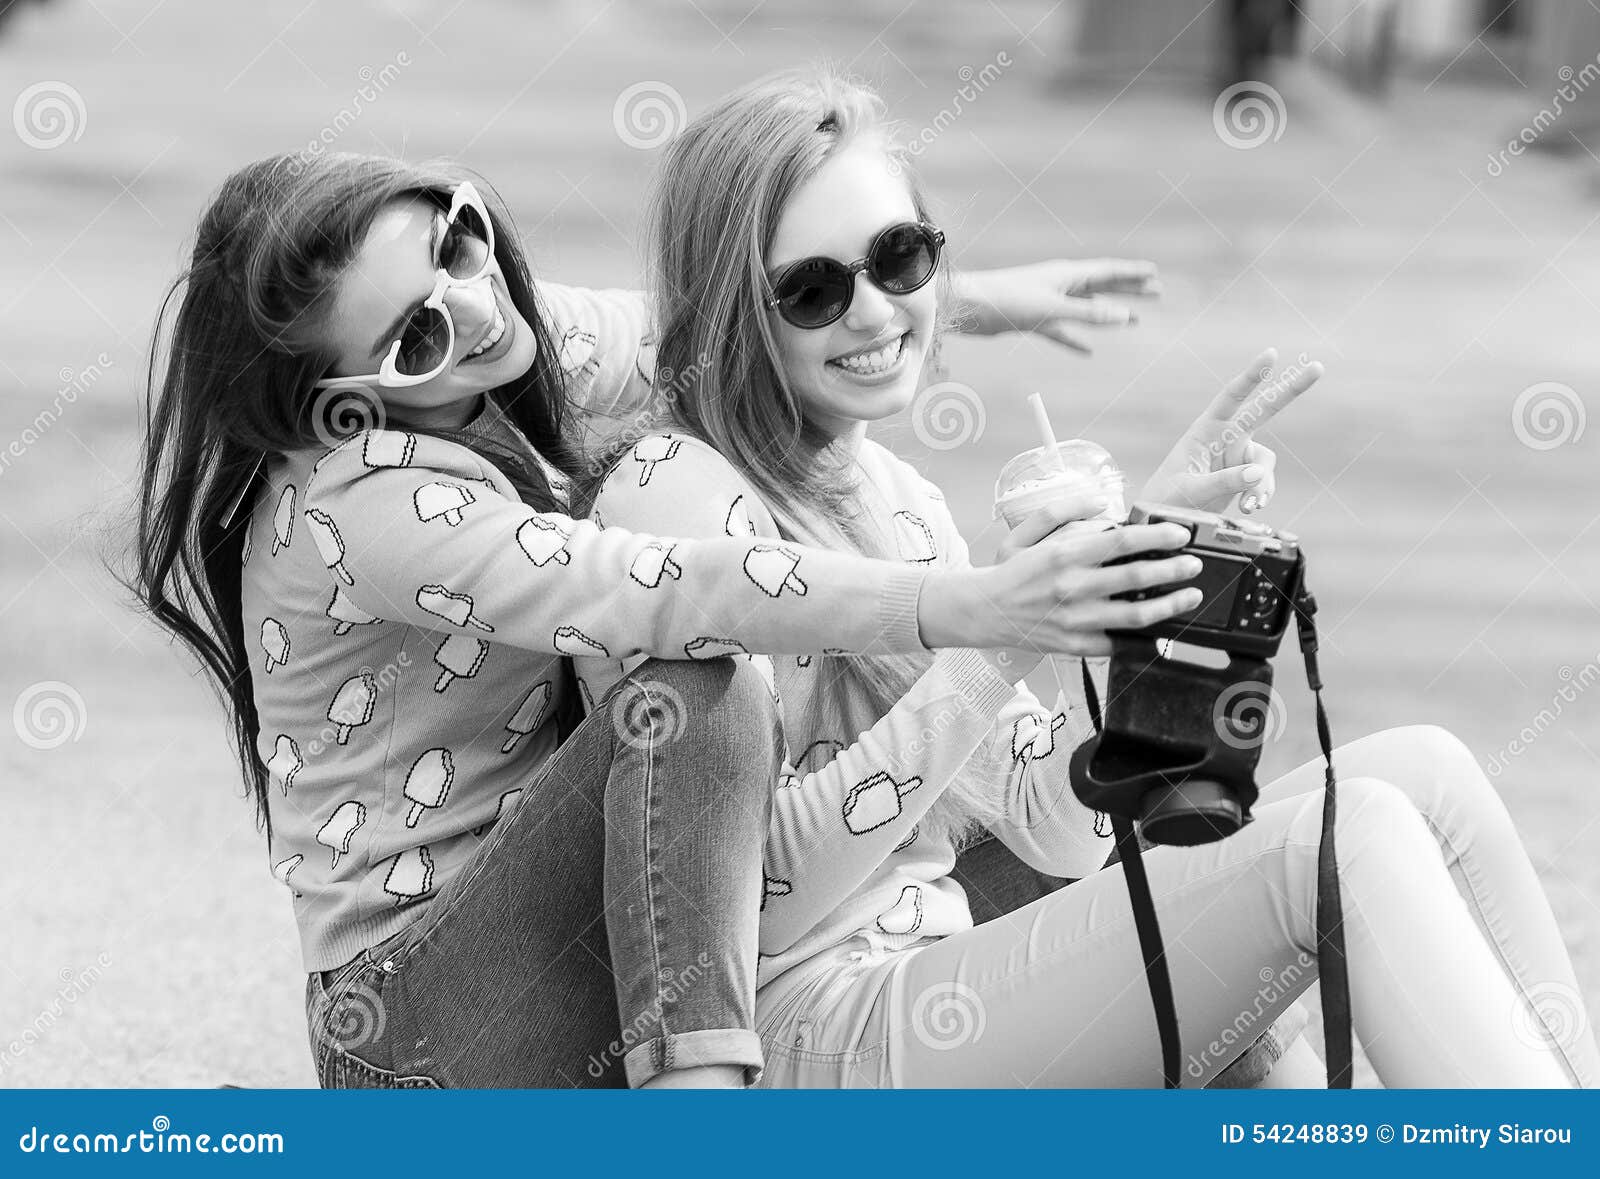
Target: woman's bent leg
(602, 884)
(684, 842)
(1491, 869)
(1056, 996)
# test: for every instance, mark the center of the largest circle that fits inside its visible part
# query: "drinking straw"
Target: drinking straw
(1047, 436)
(1041, 421)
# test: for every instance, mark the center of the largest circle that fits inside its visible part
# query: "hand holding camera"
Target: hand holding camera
(1176, 751)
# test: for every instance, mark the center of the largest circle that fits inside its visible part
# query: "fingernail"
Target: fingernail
(1249, 504)
(1254, 474)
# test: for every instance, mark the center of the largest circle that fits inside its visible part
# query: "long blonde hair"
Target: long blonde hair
(720, 193)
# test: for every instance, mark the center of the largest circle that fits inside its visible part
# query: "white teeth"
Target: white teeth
(868, 363)
(493, 338)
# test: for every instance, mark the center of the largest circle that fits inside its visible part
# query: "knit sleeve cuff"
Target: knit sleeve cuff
(897, 611)
(975, 680)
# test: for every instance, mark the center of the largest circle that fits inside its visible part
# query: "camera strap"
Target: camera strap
(1332, 970)
(1145, 924)
(1333, 976)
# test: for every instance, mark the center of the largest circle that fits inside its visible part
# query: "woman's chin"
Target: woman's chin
(872, 402)
(514, 365)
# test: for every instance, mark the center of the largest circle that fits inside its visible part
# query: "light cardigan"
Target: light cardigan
(408, 613)
(845, 855)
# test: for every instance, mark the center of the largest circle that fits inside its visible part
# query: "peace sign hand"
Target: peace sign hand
(1217, 459)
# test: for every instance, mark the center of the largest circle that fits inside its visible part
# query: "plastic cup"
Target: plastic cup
(1036, 479)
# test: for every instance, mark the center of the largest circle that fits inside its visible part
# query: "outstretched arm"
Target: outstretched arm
(422, 531)
(1054, 299)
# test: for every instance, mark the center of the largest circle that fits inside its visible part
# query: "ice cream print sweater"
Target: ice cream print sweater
(844, 853)
(409, 613)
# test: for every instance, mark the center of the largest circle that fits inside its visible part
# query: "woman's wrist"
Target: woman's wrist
(955, 611)
(951, 612)
(974, 305)
(940, 621)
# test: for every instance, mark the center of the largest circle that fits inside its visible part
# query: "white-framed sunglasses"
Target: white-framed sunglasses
(427, 338)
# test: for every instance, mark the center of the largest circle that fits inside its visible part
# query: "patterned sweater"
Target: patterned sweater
(844, 855)
(410, 612)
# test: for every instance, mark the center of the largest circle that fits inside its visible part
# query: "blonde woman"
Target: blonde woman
(797, 271)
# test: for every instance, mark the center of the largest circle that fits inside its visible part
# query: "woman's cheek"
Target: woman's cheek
(524, 351)
(801, 357)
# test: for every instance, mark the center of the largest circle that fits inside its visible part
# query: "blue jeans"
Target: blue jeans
(605, 931)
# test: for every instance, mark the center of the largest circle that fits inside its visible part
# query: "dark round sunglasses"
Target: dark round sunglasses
(815, 292)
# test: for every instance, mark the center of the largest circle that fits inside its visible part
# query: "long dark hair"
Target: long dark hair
(243, 351)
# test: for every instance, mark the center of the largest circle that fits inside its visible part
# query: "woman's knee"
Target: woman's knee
(729, 683)
(727, 700)
(1440, 775)
(1375, 811)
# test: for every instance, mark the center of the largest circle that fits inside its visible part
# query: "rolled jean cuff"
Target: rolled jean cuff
(721, 1046)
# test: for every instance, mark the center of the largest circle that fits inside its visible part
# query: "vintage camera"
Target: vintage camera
(1177, 749)
(1249, 578)
(1180, 740)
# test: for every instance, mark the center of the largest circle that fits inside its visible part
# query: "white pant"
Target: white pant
(1444, 984)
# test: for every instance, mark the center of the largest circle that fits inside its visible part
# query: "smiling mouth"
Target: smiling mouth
(879, 359)
(493, 336)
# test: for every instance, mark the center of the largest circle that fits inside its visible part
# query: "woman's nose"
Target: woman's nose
(871, 309)
(471, 305)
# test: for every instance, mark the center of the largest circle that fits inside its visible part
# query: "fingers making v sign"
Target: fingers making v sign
(1218, 457)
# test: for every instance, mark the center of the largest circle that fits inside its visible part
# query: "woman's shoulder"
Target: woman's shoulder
(670, 480)
(923, 530)
(898, 478)
(664, 457)
(369, 459)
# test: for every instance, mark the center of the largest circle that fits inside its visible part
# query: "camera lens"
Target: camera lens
(1190, 813)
